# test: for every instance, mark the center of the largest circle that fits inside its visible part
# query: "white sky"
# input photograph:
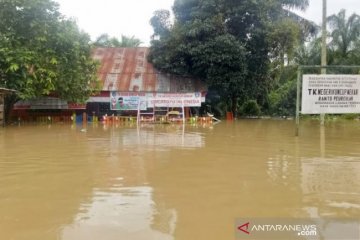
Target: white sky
(314, 11)
(131, 17)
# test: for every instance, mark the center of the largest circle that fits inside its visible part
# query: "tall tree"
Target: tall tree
(161, 23)
(42, 52)
(309, 53)
(227, 43)
(345, 33)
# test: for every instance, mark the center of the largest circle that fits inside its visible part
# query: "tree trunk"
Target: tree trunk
(10, 100)
(234, 100)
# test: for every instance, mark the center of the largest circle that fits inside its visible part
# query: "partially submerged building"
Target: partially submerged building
(130, 85)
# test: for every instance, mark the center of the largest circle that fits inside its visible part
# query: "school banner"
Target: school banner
(131, 100)
(127, 101)
(330, 94)
(174, 99)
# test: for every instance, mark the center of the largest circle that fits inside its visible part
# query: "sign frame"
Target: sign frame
(330, 94)
(123, 101)
(300, 70)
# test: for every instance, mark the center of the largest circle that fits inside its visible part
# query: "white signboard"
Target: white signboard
(174, 99)
(330, 94)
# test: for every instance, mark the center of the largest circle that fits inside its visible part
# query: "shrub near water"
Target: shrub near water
(351, 116)
(250, 108)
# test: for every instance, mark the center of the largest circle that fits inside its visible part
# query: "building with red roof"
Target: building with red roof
(126, 78)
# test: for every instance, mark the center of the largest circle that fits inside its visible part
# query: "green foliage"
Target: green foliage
(284, 36)
(104, 40)
(250, 108)
(345, 33)
(308, 53)
(41, 52)
(351, 116)
(282, 97)
(161, 23)
(342, 50)
(231, 45)
(282, 100)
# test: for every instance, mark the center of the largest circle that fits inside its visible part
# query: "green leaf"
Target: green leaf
(13, 67)
(53, 61)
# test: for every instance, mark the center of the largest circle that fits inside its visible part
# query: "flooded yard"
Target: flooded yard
(178, 182)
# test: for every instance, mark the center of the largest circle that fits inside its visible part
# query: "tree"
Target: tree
(283, 37)
(130, 41)
(42, 52)
(344, 34)
(344, 49)
(344, 45)
(308, 53)
(161, 23)
(104, 40)
(228, 44)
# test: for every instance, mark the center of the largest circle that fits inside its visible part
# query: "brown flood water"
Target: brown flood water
(169, 182)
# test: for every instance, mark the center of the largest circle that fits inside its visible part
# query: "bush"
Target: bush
(283, 99)
(351, 116)
(250, 108)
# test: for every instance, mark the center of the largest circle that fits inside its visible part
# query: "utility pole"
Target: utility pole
(323, 71)
(323, 50)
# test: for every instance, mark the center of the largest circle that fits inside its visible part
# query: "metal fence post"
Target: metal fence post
(299, 71)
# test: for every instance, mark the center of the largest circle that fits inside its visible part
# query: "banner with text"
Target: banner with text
(127, 100)
(131, 100)
(174, 99)
(330, 94)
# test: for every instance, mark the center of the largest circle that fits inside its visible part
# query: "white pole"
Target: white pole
(183, 111)
(138, 113)
(323, 50)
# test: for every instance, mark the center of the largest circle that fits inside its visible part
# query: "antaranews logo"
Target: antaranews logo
(275, 229)
(297, 228)
(244, 228)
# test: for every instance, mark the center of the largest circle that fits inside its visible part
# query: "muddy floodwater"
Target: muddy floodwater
(166, 182)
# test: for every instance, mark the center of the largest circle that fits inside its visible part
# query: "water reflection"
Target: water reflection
(331, 186)
(171, 182)
(123, 213)
(162, 136)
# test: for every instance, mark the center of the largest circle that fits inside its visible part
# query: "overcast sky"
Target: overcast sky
(131, 17)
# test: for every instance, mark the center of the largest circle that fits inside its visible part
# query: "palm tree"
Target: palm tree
(344, 34)
(104, 40)
(309, 53)
(297, 4)
(130, 41)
